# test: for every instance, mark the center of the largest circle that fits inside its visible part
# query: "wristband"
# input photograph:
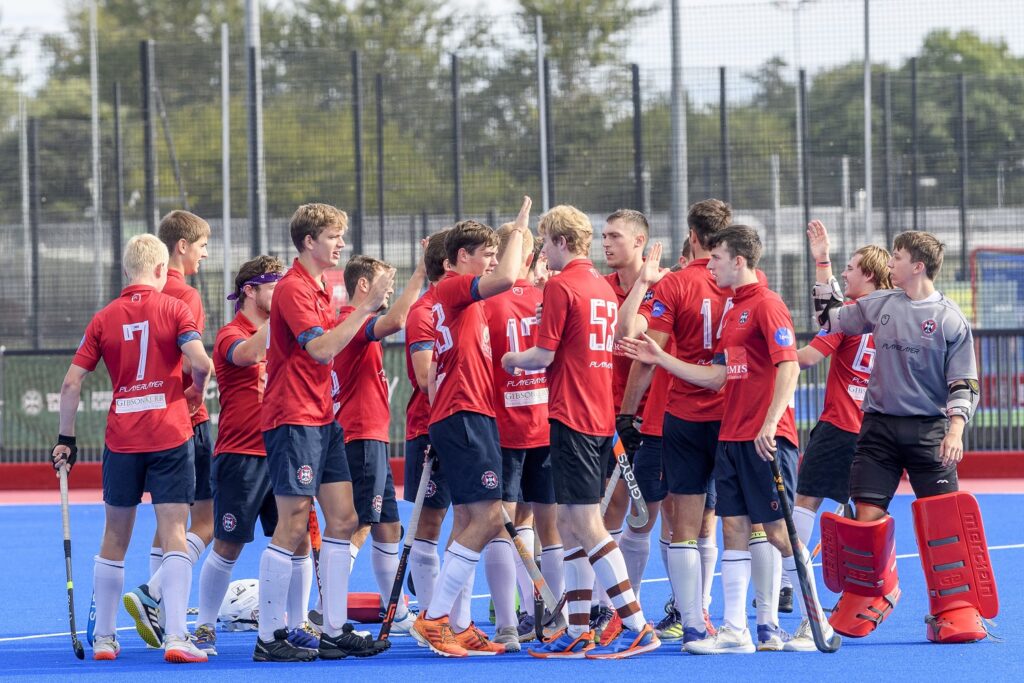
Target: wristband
(824, 263)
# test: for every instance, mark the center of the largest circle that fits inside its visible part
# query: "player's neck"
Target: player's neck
(744, 278)
(629, 273)
(144, 282)
(254, 314)
(312, 267)
(176, 265)
(919, 288)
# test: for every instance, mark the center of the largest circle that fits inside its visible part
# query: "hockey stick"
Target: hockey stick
(66, 520)
(538, 601)
(642, 516)
(410, 537)
(609, 490)
(812, 608)
(540, 586)
(315, 543)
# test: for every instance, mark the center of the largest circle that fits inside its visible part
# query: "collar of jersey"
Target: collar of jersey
(132, 289)
(747, 291)
(301, 272)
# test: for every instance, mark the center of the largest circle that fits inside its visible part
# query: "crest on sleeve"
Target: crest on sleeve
(784, 336)
(658, 309)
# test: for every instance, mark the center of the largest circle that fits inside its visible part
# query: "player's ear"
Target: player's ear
(181, 246)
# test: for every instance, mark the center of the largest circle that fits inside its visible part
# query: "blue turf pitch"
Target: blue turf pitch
(34, 642)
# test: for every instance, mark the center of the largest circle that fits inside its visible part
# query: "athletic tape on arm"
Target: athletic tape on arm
(963, 398)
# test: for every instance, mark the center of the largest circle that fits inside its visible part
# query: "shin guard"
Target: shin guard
(859, 561)
(957, 569)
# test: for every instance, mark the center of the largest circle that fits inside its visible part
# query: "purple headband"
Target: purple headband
(263, 279)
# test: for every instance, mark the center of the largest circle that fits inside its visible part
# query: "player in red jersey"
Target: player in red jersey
(141, 338)
(424, 563)
(521, 404)
(684, 311)
(241, 483)
(305, 445)
(463, 429)
(185, 235)
(755, 361)
(575, 345)
(365, 414)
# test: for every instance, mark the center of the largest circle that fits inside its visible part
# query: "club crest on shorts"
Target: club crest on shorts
(228, 522)
(378, 503)
(304, 475)
(774, 505)
(489, 479)
(431, 489)
(929, 326)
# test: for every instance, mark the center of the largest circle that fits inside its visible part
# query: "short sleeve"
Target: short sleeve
(960, 360)
(89, 351)
(419, 329)
(777, 327)
(826, 343)
(195, 307)
(300, 315)
(458, 292)
(553, 317)
(226, 341)
(662, 307)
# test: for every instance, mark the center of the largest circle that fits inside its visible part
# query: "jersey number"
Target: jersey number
(129, 335)
(865, 357)
(513, 329)
(604, 315)
(445, 334)
(705, 313)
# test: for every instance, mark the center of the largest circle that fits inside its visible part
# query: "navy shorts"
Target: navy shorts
(746, 487)
(241, 495)
(203, 444)
(648, 471)
(526, 476)
(825, 467)
(437, 497)
(373, 487)
(689, 455)
(168, 475)
(467, 444)
(577, 461)
(300, 458)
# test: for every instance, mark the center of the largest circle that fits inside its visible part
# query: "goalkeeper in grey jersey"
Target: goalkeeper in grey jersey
(922, 392)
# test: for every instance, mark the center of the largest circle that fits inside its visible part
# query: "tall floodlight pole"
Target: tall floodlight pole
(97, 186)
(680, 171)
(225, 162)
(794, 7)
(867, 124)
(257, 172)
(542, 116)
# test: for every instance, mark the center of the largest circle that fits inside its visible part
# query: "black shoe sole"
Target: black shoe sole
(333, 653)
(268, 658)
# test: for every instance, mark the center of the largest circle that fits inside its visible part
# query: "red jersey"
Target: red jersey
(847, 377)
(365, 411)
(757, 333)
(621, 364)
(419, 336)
(520, 402)
(657, 399)
(241, 392)
(139, 337)
(462, 349)
(179, 289)
(688, 306)
(578, 323)
(298, 388)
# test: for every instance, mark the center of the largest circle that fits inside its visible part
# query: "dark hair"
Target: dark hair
(707, 217)
(739, 240)
(359, 267)
(252, 269)
(435, 255)
(182, 225)
(923, 247)
(635, 218)
(313, 219)
(469, 235)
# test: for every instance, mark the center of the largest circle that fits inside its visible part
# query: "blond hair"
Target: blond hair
(313, 219)
(142, 254)
(874, 262)
(182, 225)
(505, 234)
(570, 224)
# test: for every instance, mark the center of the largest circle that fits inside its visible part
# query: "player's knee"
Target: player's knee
(871, 507)
(227, 549)
(429, 527)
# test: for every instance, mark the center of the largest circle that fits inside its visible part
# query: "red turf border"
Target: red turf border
(39, 476)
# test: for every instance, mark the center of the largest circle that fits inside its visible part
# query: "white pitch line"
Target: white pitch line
(481, 596)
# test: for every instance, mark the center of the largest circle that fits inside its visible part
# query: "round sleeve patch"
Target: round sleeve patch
(658, 309)
(784, 336)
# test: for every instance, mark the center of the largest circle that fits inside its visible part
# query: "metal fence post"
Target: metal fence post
(117, 235)
(638, 140)
(961, 100)
(549, 128)
(542, 114)
(97, 176)
(806, 154)
(378, 87)
(456, 139)
(887, 157)
(225, 162)
(35, 209)
(723, 126)
(679, 190)
(148, 68)
(914, 180)
(357, 142)
(257, 172)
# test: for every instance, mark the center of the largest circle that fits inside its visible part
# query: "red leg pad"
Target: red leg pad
(859, 557)
(858, 615)
(957, 568)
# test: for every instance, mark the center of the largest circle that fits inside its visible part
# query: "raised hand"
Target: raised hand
(382, 286)
(644, 349)
(817, 235)
(651, 271)
(522, 221)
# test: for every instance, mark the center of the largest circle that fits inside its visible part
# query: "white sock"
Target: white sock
(177, 571)
(803, 520)
(156, 558)
(708, 548)
(789, 566)
(194, 548)
(523, 579)
(275, 575)
(663, 546)
(762, 569)
(735, 578)
(684, 574)
(424, 567)
(636, 550)
(579, 590)
(500, 569)
(384, 559)
(600, 595)
(462, 610)
(610, 569)
(336, 561)
(459, 564)
(353, 550)
(214, 579)
(107, 586)
(299, 589)
(552, 566)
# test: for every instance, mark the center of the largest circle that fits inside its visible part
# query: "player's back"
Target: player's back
(177, 288)
(365, 411)
(241, 392)
(138, 337)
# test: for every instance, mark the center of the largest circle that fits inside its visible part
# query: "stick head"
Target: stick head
(79, 650)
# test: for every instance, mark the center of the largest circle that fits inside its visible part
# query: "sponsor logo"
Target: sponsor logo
(155, 384)
(140, 404)
(900, 347)
(532, 397)
(885, 319)
(431, 489)
(929, 326)
(744, 316)
(736, 363)
(658, 309)
(784, 336)
(601, 366)
(304, 475)
(32, 402)
(857, 393)
(942, 481)
(228, 522)
(489, 480)
(136, 298)
(378, 503)
(518, 291)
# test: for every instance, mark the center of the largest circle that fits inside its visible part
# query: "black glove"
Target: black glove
(68, 441)
(628, 433)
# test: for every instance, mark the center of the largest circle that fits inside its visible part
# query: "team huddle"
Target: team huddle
(557, 411)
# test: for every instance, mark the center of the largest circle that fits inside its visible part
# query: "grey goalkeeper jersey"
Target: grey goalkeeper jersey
(920, 347)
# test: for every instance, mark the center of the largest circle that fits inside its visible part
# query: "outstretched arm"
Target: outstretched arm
(646, 350)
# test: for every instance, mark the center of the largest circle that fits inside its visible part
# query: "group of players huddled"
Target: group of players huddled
(528, 368)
